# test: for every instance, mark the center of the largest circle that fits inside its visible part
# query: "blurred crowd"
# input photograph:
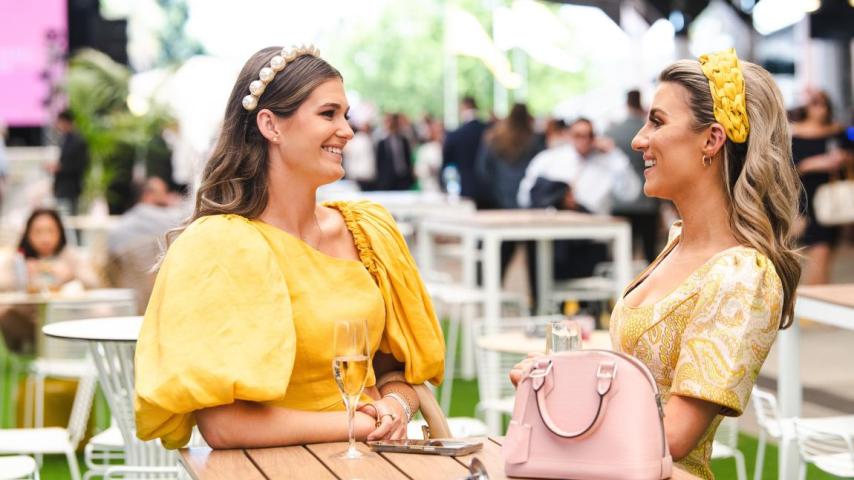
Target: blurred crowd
(499, 163)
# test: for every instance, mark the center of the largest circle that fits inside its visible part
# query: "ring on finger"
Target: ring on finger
(380, 420)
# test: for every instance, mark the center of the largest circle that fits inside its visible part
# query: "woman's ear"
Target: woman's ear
(267, 125)
(715, 139)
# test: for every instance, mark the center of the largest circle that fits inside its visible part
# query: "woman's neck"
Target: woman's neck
(705, 220)
(291, 206)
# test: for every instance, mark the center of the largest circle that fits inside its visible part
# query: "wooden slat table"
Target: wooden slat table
(319, 461)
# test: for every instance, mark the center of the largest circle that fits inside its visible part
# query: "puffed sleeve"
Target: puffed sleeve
(218, 328)
(412, 333)
(730, 331)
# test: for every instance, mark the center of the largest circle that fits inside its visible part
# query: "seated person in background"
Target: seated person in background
(133, 246)
(43, 263)
(579, 173)
(237, 334)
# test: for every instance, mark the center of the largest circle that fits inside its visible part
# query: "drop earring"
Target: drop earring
(707, 161)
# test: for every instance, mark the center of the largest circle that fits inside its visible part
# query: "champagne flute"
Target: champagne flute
(350, 368)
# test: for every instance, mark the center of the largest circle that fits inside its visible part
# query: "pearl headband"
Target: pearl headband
(277, 63)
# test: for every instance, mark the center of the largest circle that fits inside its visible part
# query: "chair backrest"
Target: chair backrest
(114, 361)
(81, 407)
(132, 267)
(493, 367)
(767, 414)
(828, 450)
(727, 432)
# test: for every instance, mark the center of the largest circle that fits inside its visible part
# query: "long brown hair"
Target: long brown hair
(235, 177)
(510, 138)
(760, 178)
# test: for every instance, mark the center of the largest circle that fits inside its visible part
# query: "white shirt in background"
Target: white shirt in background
(428, 163)
(592, 179)
(360, 162)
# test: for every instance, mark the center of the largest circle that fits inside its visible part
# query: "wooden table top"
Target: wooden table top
(838, 294)
(318, 462)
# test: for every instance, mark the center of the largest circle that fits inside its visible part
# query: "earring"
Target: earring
(707, 161)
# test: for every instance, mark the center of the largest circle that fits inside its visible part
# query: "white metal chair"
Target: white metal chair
(114, 361)
(496, 393)
(64, 359)
(829, 450)
(725, 445)
(771, 424)
(104, 450)
(460, 303)
(55, 440)
(18, 467)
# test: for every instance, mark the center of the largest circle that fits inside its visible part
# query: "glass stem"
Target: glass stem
(351, 423)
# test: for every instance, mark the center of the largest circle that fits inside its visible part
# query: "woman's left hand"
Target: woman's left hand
(391, 420)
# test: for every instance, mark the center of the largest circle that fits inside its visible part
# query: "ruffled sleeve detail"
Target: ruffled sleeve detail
(730, 331)
(218, 328)
(412, 333)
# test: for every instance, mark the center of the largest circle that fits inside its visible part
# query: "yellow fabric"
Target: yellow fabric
(243, 310)
(727, 85)
(708, 338)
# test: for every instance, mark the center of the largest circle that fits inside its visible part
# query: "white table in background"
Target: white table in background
(408, 205)
(42, 300)
(522, 343)
(827, 304)
(492, 227)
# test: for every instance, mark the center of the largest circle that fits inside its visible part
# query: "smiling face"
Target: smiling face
(672, 149)
(313, 138)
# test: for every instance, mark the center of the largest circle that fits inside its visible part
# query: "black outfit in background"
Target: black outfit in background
(460, 149)
(394, 164)
(73, 160)
(803, 148)
(500, 178)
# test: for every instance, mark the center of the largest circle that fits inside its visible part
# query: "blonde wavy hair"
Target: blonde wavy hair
(761, 181)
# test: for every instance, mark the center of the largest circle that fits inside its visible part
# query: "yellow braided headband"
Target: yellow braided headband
(727, 84)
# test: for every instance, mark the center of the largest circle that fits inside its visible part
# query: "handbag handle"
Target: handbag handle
(605, 374)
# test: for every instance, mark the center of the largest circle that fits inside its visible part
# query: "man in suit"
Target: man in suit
(461, 147)
(394, 158)
(73, 160)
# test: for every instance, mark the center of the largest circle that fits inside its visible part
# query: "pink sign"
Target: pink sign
(33, 38)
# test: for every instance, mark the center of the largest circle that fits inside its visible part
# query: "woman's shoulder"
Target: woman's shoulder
(218, 234)
(806, 131)
(744, 266)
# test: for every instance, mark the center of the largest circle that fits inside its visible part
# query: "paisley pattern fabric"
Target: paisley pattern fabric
(708, 338)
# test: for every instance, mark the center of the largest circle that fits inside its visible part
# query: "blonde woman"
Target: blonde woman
(705, 313)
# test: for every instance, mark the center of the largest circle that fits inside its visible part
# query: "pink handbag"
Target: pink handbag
(589, 414)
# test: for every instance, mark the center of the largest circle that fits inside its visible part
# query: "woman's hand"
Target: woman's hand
(520, 368)
(390, 419)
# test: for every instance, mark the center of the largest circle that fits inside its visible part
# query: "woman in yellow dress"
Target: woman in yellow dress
(705, 313)
(237, 334)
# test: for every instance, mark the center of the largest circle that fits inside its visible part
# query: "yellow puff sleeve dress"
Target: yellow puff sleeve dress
(242, 310)
(708, 338)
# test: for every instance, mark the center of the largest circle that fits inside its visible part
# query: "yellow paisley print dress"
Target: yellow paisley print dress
(707, 338)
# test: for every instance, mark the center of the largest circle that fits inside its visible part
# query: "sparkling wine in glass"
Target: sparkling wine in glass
(350, 368)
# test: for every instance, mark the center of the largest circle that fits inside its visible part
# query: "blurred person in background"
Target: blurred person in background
(583, 175)
(507, 150)
(394, 157)
(133, 245)
(641, 211)
(817, 152)
(461, 147)
(69, 172)
(428, 157)
(43, 263)
(360, 161)
(555, 133)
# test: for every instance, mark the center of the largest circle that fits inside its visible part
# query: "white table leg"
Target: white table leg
(469, 311)
(545, 276)
(789, 397)
(425, 250)
(622, 259)
(492, 313)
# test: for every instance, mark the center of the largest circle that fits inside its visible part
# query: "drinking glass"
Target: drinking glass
(350, 368)
(563, 336)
